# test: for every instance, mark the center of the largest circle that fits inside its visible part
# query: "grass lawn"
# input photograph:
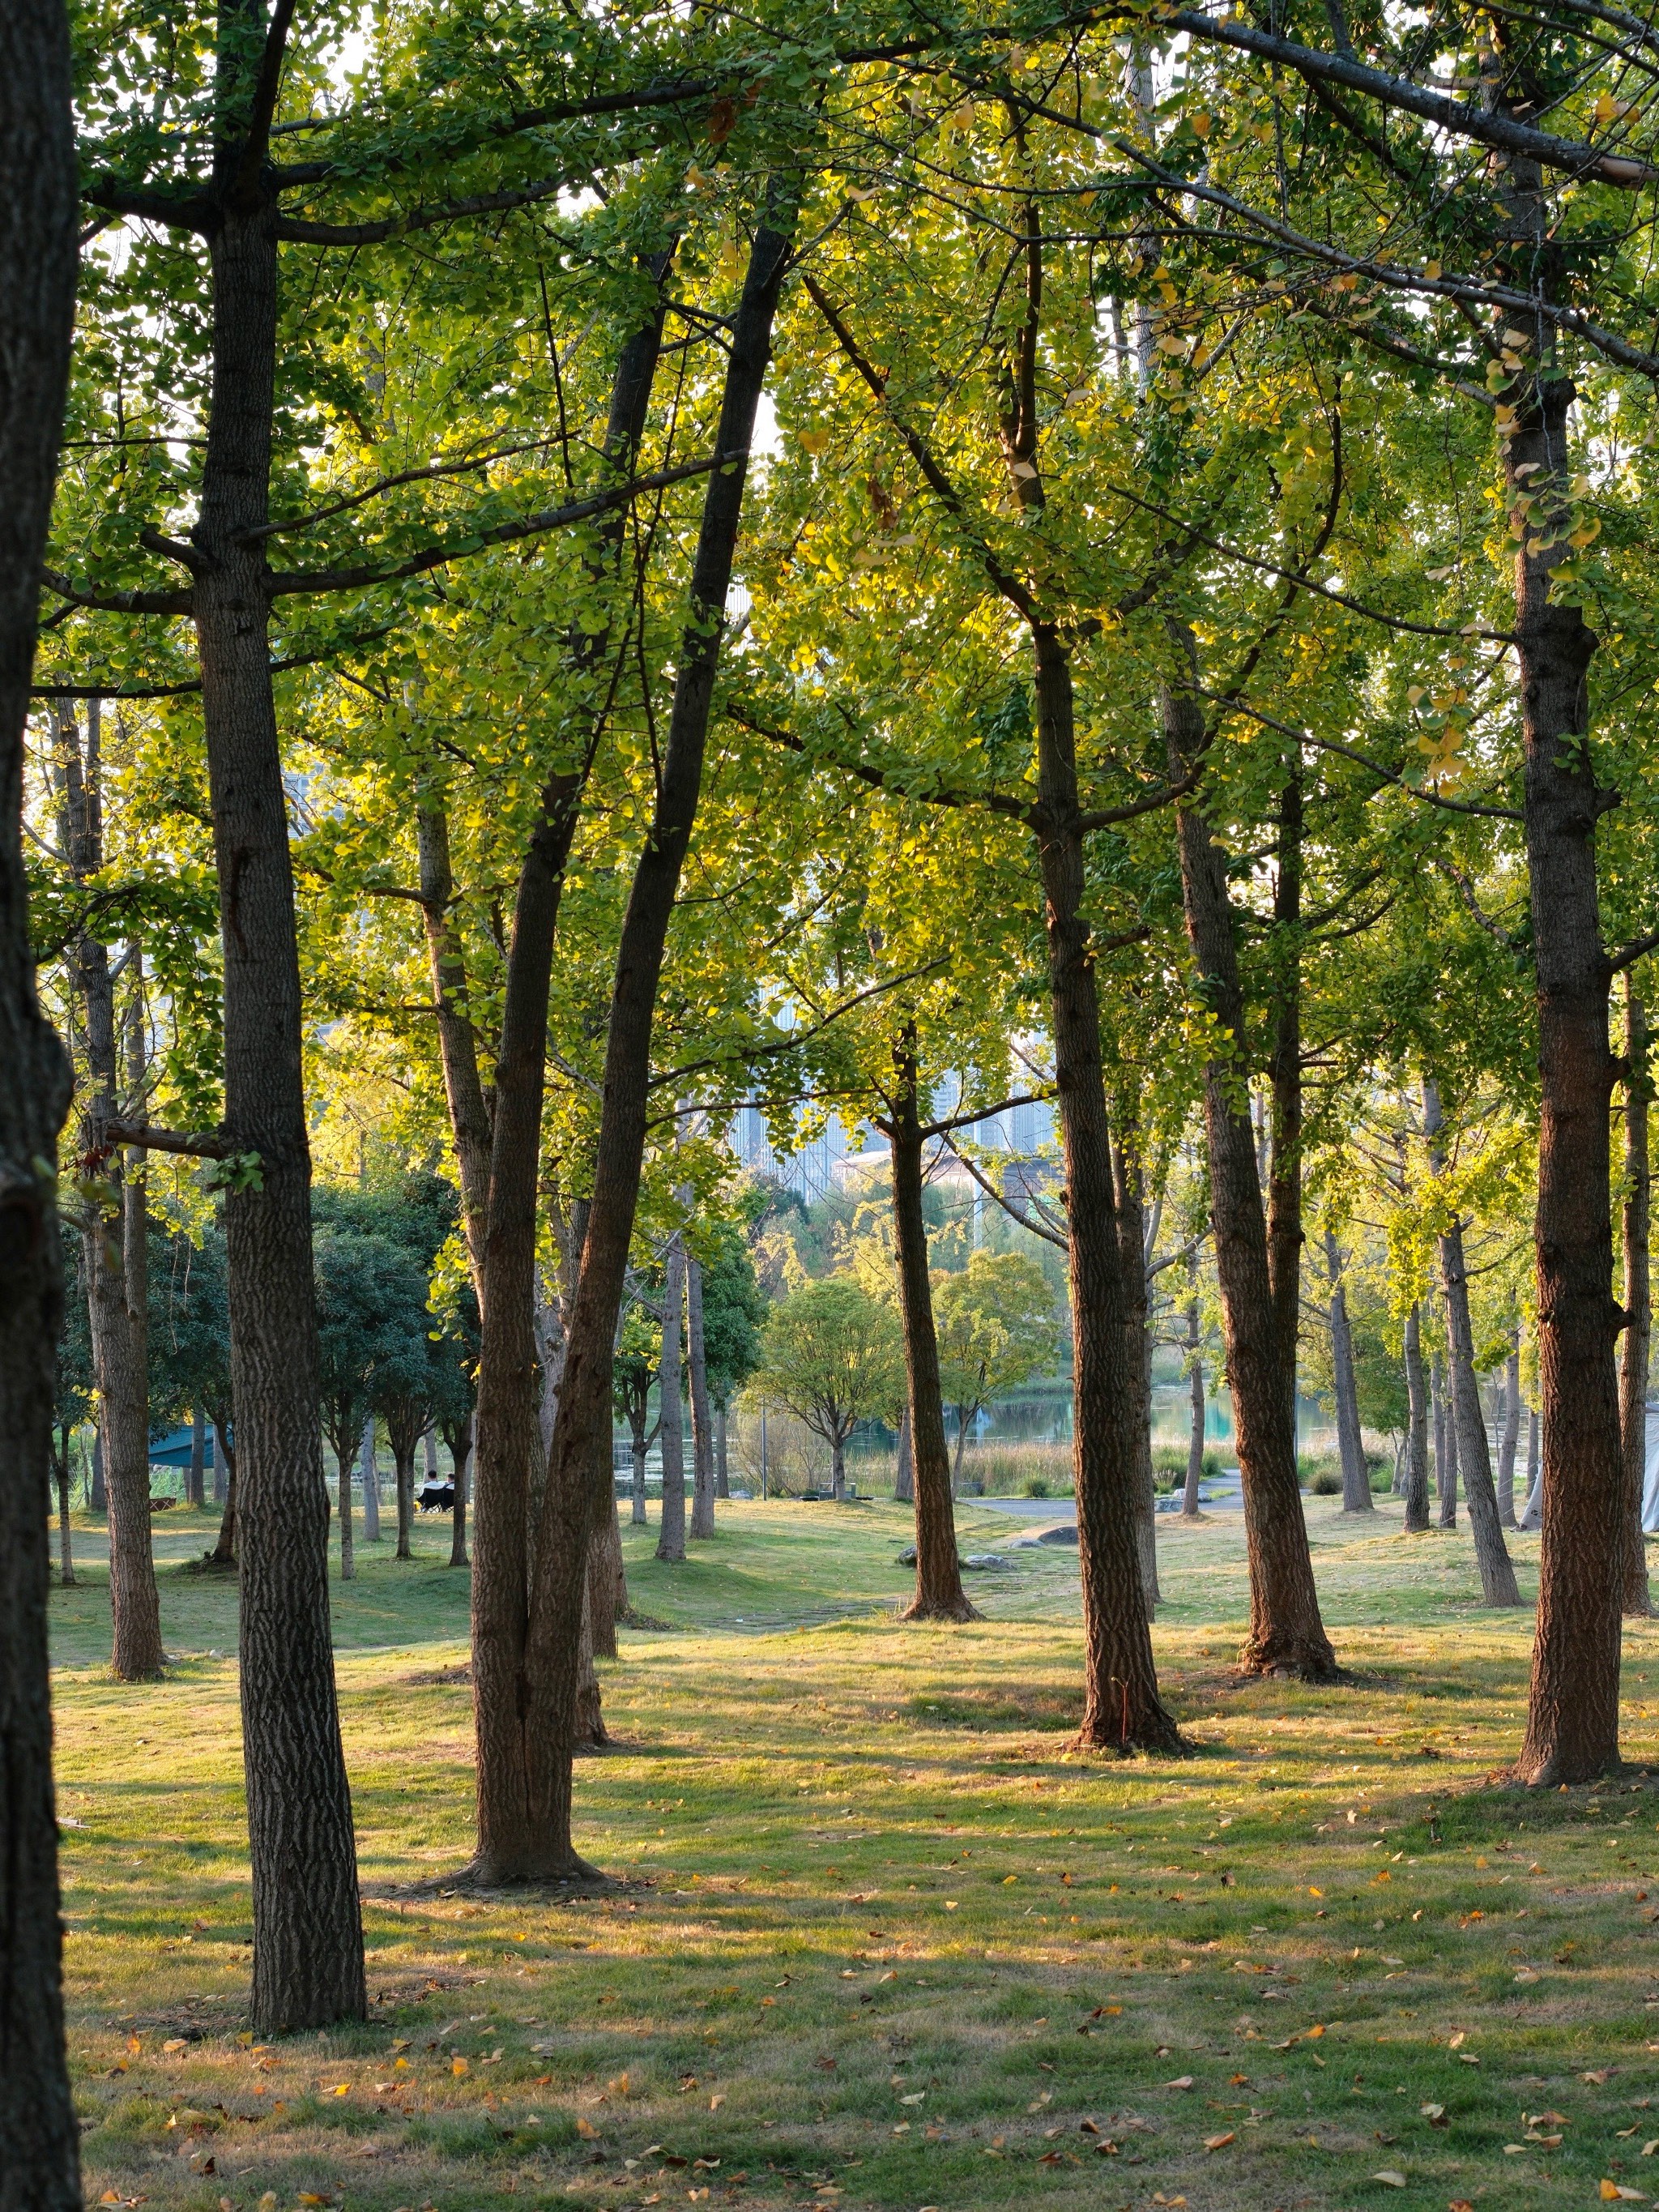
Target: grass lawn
(880, 1941)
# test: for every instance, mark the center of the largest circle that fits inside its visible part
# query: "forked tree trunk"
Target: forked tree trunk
(1510, 1436)
(939, 1593)
(507, 1442)
(1417, 1427)
(1468, 1423)
(1638, 1303)
(1121, 1709)
(671, 1432)
(904, 1466)
(39, 2135)
(702, 1439)
(1350, 1445)
(543, 1847)
(1286, 1635)
(1195, 1439)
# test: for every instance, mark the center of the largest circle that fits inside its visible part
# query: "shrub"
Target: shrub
(1036, 1485)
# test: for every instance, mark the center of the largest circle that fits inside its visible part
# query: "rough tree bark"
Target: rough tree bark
(1532, 1513)
(939, 1593)
(1284, 1234)
(1129, 1198)
(1356, 1475)
(904, 1466)
(1638, 1303)
(545, 1849)
(194, 1478)
(404, 1425)
(39, 2136)
(1445, 1445)
(1288, 1635)
(1510, 1436)
(223, 1554)
(1498, 1581)
(703, 1440)
(1417, 1429)
(670, 1431)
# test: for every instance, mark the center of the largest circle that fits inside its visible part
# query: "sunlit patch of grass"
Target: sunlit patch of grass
(881, 1940)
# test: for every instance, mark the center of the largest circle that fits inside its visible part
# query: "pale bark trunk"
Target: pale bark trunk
(703, 1440)
(1510, 1436)
(1350, 1445)
(40, 2136)
(671, 1434)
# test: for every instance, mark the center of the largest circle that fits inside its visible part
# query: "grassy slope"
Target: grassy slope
(862, 1871)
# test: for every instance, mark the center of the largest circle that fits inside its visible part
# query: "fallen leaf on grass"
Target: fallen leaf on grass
(1180, 2081)
(457, 2066)
(1434, 2114)
(1597, 2076)
(1614, 2193)
(1389, 2179)
(1219, 2143)
(586, 2128)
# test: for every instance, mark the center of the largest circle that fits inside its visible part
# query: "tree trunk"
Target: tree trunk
(469, 1115)
(1121, 1709)
(607, 1590)
(115, 1247)
(1284, 1237)
(544, 1846)
(1498, 1581)
(939, 1593)
(40, 2136)
(637, 1432)
(195, 1487)
(703, 1440)
(223, 1554)
(904, 1467)
(218, 1492)
(837, 1465)
(347, 1564)
(1532, 1513)
(1445, 1446)
(99, 1500)
(722, 1479)
(371, 1476)
(1129, 1200)
(459, 1436)
(65, 1550)
(1638, 1303)
(671, 1434)
(402, 1457)
(307, 1924)
(1288, 1635)
(1510, 1436)
(1195, 1441)
(1417, 1431)
(1350, 1445)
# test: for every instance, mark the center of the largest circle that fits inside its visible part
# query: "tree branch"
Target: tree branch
(204, 1145)
(1025, 1221)
(117, 603)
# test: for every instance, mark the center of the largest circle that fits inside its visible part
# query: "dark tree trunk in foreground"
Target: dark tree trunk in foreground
(1417, 1428)
(40, 2137)
(1469, 1420)
(1287, 1633)
(1351, 1443)
(525, 1828)
(1121, 1710)
(1510, 1436)
(1195, 1441)
(671, 1424)
(939, 1594)
(307, 1926)
(703, 1440)
(1638, 1302)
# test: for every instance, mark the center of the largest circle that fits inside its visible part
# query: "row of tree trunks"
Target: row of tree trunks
(39, 2128)
(939, 1592)
(1286, 1634)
